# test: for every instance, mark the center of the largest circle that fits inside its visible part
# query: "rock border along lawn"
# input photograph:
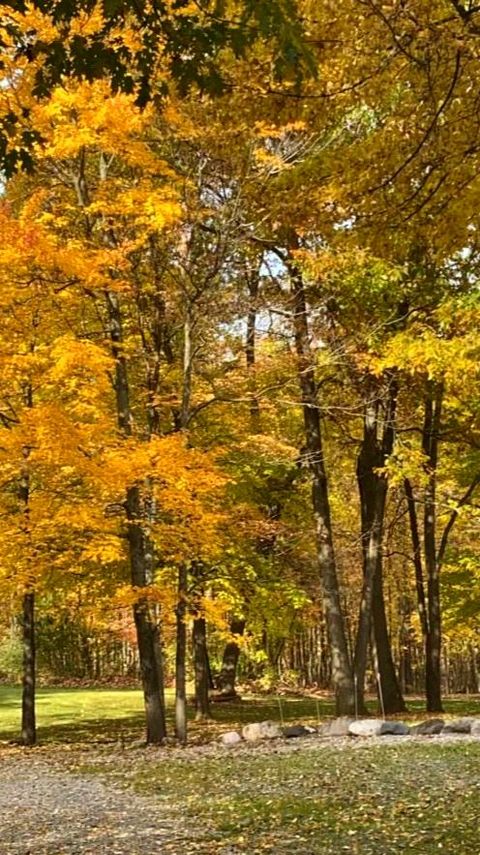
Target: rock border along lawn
(344, 726)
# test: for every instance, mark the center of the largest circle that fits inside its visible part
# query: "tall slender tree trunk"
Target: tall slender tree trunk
(250, 350)
(433, 647)
(231, 654)
(28, 727)
(140, 561)
(187, 368)
(417, 559)
(180, 658)
(391, 692)
(138, 541)
(200, 660)
(371, 505)
(29, 735)
(373, 489)
(342, 675)
(429, 605)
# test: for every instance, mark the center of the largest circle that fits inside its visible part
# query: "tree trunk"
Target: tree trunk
(342, 676)
(29, 735)
(417, 559)
(373, 488)
(250, 350)
(185, 411)
(200, 659)
(226, 678)
(180, 659)
(372, 509)
(138, 542)
(145, 627)
(433, 646)
(159, 660)
(391, 692)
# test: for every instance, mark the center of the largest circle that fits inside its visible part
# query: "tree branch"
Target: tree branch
(453, 518)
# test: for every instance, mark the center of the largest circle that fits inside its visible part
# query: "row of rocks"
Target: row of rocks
(344, 726)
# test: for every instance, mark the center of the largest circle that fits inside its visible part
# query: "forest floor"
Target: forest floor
(309, 796)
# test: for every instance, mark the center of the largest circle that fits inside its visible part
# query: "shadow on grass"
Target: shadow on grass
(70, 727)
(10, 697)
(71, 716)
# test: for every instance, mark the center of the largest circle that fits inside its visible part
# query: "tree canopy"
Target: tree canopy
(238, 344)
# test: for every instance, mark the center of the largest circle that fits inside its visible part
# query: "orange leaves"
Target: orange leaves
(82, 369)
(143, 206)
(183, 486)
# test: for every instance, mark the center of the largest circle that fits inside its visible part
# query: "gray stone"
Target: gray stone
(475, 729)
(336, 727)
(428, 728)
(394, 728)
(460, 725)
(294, 731)
(230, 738)
(259, 730)
(366, 727)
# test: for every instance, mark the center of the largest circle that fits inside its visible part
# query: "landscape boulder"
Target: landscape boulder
(430, 727)
(257, 731)
(475, 729)
(394, 728)
(366, 727)
(336, 727)
(293, 731)
(460, 725)
(230, 738)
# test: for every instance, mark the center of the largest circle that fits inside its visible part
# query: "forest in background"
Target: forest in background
(239, 400)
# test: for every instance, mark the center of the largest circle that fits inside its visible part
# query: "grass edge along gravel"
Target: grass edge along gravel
(363, 798)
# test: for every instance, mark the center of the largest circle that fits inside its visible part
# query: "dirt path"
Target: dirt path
(44, 811)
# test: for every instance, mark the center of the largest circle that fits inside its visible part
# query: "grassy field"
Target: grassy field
(316, 799)
(82, 715)
(418, 798)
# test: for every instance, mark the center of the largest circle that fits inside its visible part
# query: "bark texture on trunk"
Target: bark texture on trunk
(180, 659)
(29, 734)
(417, 558)
(139, 547)
(373, 489)
(372, 510)
(231, 654)
(146, 630)
(250, 350)
(228, 673)
(391, 692)
(342, 675)
(433, 646)
(200, 660)
(28, 727)
(431, 561)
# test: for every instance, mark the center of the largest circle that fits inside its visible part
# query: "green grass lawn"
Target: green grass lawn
(418, 798)
(319, 799)
(81, 715)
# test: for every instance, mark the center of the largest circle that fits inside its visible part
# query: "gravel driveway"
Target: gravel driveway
(48, 812)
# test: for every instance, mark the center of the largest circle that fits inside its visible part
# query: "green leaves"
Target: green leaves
(189, 41)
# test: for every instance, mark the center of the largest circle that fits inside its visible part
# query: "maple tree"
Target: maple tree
(239, 390)
(125, 42)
